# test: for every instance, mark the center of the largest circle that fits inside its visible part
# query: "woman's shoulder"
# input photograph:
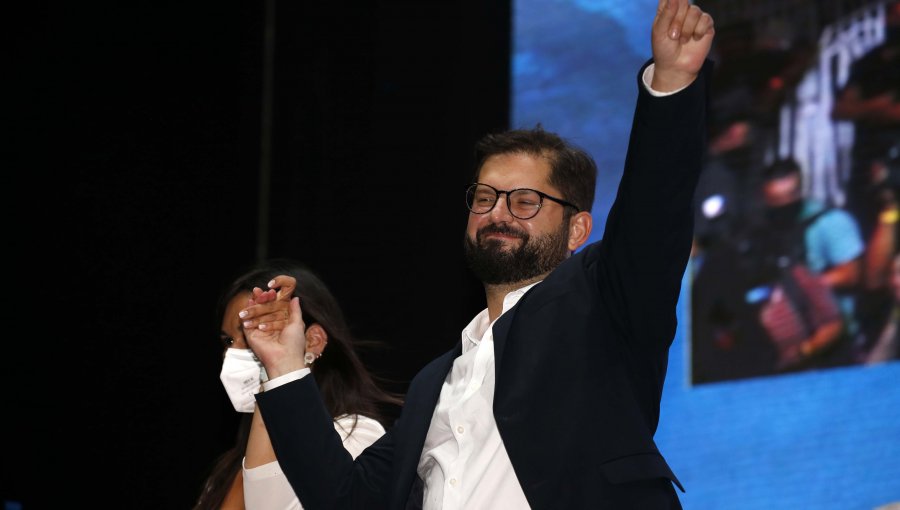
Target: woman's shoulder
(358, 432)
(350, 422)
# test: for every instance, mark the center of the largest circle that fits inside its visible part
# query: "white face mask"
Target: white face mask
(241, 375)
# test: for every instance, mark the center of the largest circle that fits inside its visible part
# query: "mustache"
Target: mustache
(500, 229)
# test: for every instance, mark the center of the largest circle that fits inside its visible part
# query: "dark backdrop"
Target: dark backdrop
(136, 193)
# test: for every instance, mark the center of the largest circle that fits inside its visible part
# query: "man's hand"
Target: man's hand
(681, 39)
(274, 328)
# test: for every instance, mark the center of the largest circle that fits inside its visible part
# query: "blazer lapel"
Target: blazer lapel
(421, 401)
(536, 297)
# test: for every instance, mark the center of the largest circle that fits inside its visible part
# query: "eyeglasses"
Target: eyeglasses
(523, 203)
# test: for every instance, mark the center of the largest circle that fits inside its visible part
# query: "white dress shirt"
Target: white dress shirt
(266, 487)
(464, 463)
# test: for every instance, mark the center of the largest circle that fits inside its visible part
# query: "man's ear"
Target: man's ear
(580, 226)
(316, 339)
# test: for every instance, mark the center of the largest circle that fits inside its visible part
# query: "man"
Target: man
(552, 399)
(826, 240)
(871, 100)
(832, 242)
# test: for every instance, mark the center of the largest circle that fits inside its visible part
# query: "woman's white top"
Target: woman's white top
(266, 487)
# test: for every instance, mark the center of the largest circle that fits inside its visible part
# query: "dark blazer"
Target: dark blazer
(580, 360)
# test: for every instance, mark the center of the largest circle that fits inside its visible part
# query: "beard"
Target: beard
(493, 264)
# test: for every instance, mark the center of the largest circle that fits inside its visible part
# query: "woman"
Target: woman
(350, 392)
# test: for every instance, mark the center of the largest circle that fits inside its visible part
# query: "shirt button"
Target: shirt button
(453, 482)
(460, 429)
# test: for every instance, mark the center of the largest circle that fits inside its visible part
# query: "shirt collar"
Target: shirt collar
(475, 331)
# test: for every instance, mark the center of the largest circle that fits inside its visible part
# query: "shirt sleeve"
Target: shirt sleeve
(844, 242)
(266, 487)
(271, 384)
(647, 79)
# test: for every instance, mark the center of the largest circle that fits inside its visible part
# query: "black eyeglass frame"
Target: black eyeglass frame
(497, 192)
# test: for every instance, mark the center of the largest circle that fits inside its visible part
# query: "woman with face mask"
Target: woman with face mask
(350, 392)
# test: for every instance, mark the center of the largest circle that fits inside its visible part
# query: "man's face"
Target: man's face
(782, 191)
(501, 248)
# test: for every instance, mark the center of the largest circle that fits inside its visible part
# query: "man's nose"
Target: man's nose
(501, 211)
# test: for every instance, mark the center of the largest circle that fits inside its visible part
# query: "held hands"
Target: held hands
(681, 38)
(274, 328)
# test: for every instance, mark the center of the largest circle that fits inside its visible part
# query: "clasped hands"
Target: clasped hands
(273, 326)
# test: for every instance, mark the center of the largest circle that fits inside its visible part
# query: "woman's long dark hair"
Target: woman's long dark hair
(347, 387)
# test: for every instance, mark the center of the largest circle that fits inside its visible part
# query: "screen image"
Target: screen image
(782, 387)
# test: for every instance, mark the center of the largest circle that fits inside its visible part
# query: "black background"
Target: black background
(134, 197)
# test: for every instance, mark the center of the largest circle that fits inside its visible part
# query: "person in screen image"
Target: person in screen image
(876, 302)
(871, 101)
(781, 296)
(887, 344)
